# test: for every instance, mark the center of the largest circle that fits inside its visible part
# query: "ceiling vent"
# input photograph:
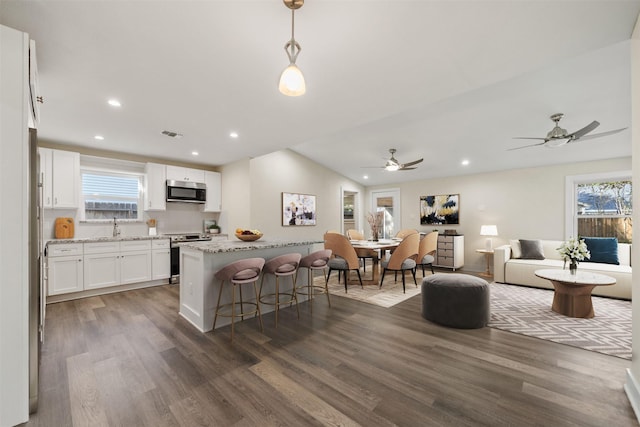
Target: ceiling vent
(172, 134)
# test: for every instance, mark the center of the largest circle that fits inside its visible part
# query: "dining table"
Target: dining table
(375, 249)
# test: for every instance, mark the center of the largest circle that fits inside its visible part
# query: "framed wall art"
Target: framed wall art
(298, 209)
(440, 210)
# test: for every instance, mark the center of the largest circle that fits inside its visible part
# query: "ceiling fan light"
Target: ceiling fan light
(557, 142)
(392, 167)
(292, 81)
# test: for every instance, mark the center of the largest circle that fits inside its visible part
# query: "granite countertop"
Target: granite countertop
(106, 239)
(214, 247)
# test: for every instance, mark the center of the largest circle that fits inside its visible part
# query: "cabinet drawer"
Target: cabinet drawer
(445, 252)
(135, 245)
(64, 249)
(445, 245)
(160, 244)
(448, 239)
(445, 261)
(101, 247)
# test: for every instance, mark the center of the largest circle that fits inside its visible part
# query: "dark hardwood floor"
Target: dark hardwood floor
(128, 359)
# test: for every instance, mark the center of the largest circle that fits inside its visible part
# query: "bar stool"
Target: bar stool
(281, 266)
(239, 273)
(315, 261)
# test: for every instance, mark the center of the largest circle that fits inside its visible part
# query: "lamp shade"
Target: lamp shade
(489, 230)
(292, 81)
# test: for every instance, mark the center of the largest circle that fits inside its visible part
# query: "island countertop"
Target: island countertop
(220, 246)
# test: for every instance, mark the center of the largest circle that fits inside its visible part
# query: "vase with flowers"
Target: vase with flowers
(375, 222)
(574, 251)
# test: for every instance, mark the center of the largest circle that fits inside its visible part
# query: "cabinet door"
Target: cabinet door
(65, 274)
(178, 173)
(46, 175)
(214, 193)
(66, 178)
(101, 270)
(156, 183)
(135, 267)
(161, 264)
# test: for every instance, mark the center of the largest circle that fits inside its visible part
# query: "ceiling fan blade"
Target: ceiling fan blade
(415, 162)
(598, 135)
(527, 146)
(585, 130)
(372, 167)
(406, 169)
(526, 137)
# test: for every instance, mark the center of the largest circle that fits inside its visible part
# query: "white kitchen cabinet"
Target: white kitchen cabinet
(155, 187)
(450, 251)
(101, 264)
(135, 261)
(46, 176)
(178, 173)
(214, 191)
(65, 269)
(160, 259)
(61, 178)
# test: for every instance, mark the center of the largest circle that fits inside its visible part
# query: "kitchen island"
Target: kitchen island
(199, 261)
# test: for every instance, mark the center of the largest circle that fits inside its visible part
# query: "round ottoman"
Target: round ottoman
(456, 300)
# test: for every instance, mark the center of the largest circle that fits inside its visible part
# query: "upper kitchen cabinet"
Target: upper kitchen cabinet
(178, 173)
(214, 192)
(60, 172)
(155, 191)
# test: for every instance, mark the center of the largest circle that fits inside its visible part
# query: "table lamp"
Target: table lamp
(489, 230)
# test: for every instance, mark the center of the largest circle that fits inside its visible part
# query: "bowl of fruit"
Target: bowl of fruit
(248, 235)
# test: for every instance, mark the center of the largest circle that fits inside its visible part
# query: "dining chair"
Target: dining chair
(427, 251)
(363, 254)
(345, 257)
(403, 258)
(406, 232)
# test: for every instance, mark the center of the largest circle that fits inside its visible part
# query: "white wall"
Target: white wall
(632, 386)
(14, 215)
(252, 194)
(523, 203)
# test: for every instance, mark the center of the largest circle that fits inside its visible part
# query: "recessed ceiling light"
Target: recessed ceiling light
(195, 153)
(114, 103)
(99, 137)
(233, 134)
(366, 177)
(465, 162)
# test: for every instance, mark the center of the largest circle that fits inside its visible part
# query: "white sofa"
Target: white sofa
(521, 271)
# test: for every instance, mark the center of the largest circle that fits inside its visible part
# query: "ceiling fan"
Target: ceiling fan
(557, 136)
(394, 165)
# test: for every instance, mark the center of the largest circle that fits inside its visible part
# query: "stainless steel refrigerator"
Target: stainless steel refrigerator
(36, 288)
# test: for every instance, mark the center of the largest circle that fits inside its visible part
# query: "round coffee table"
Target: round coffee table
(572, 296)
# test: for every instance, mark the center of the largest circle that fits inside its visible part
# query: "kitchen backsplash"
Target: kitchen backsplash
(178, 218)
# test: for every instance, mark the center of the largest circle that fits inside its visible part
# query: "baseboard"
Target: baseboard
(633, 393)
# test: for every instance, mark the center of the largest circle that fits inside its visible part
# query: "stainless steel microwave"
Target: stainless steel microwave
(186, 191)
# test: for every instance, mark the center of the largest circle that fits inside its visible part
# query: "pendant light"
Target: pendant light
(291, 79)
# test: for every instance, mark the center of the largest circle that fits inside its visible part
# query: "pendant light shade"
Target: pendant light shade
(292, 81)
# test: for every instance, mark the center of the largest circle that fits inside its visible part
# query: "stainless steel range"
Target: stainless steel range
(176, 240)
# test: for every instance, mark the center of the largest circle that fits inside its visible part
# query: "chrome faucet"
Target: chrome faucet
(116, 230)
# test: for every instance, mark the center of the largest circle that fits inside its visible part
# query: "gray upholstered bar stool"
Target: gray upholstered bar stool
(281, 266)
(315, 261)
(239, 273)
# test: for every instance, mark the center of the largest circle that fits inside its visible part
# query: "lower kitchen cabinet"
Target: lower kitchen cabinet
(135, 267)
(65, 274)
(160, 259)
(101, 270)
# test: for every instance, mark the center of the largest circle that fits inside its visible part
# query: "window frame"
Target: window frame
(571, 186)
(113, 172)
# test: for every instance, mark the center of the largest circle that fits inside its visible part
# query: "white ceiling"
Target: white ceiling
(443, 80)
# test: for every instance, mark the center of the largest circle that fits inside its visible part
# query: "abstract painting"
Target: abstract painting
(298, 209)
(440, 210)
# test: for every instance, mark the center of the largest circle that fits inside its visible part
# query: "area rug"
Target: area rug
(390, 294)
(527, 311)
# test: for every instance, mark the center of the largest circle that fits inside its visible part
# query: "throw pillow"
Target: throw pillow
(602, 249)
(531, 249)
(516, 250)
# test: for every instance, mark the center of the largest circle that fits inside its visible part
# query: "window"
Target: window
(601, 205)
(109, 195)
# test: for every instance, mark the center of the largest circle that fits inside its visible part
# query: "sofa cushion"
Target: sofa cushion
(516, 250)
(531, 249)
(603, 249)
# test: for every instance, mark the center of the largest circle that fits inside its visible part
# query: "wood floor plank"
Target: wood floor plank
(130, 359)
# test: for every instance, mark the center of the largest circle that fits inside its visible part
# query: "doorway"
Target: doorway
(387, 201)
(350, 210)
